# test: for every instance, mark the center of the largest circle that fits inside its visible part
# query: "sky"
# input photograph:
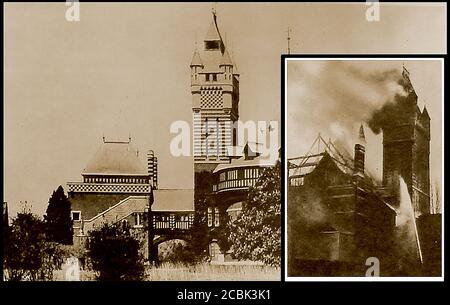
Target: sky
(124, 69)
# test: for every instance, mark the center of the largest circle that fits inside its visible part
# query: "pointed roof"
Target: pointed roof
(196, 60)
(213, 31)
(407, 84)
(226, 59)
(424, 113)
(116, 158)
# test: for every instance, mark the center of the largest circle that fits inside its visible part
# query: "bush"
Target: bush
(114, 254)
(27, 254)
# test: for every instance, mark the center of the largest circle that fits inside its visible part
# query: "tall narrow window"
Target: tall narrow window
(137, 219)
(216, 217)
(210, 217)
(217, 138)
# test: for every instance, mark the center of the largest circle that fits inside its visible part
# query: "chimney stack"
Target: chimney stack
(360, 153)
(152, 162)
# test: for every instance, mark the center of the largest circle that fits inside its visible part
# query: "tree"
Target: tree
(59, 224)
(114, 254)
(199, 231)
(27, 254)
(256, 233)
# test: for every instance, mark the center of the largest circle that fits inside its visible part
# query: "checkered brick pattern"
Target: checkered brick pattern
(109, 188)
(211, 99)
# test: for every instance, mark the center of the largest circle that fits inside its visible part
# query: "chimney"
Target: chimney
(360, 153)
(152, 163)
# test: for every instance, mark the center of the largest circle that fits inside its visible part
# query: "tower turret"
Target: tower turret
(215, 98)
(406, 147)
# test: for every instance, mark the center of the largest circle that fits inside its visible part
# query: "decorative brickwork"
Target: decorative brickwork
(108, 188)
(211, 98)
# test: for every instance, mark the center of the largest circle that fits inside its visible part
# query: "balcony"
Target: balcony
(165, 222)
(236, 184)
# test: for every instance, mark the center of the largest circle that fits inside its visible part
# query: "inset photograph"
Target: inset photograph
(364, 168)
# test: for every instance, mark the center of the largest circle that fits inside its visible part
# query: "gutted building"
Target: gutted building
(339, 216)
(334, 214)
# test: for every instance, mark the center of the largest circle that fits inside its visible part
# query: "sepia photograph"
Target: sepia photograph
(143, 141)
(139, 145)
(364, 167)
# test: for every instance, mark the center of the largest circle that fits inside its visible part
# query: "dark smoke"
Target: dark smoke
(394, 111)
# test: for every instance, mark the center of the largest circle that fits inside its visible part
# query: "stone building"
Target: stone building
(118, 188)
(215, 101)
(230, 169)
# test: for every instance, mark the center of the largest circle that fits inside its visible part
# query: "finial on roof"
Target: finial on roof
(213, 9)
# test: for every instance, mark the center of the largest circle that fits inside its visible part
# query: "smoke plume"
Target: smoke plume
(394, 110)
(335, 97)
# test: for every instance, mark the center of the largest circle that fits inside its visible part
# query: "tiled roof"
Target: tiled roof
(173, 200)
(116, 158)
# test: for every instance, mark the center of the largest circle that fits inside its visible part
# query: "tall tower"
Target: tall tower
(406, 149)
(215, 99)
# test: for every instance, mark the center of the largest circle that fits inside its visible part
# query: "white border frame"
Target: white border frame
(360, 279)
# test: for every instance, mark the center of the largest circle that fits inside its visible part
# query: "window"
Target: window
(137, 220)
(214, 77)
(207, 77)
(210, 216)
(76, 215)
(216, 217)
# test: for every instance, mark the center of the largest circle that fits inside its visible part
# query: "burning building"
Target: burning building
(339, 216)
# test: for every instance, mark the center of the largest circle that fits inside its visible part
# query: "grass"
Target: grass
(200, 272)
(213, 272)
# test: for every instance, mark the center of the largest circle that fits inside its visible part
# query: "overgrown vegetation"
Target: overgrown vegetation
(114, 254)
(256, 233)
(207, 271)
(27, 253)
